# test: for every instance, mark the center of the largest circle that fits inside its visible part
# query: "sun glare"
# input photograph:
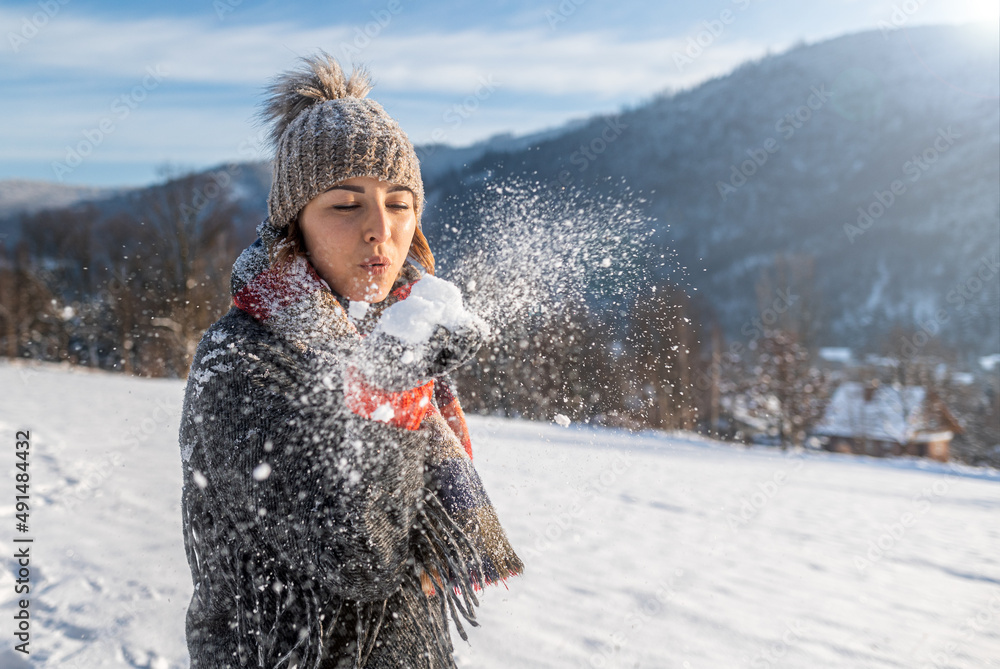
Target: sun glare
(985, 13)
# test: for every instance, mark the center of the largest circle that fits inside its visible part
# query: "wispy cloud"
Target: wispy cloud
(64, 80)
(602, 64)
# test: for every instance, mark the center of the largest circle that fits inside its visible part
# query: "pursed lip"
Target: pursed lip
(376, 264)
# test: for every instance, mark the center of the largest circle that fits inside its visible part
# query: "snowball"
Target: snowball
(384, 413)
(261, 471)
(606, 262)
(431, 303)
(199, 479)
(562, 420)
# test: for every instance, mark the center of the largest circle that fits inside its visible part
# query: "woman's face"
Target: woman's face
(357, 235)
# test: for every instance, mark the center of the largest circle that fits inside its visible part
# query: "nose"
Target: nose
(377, 225)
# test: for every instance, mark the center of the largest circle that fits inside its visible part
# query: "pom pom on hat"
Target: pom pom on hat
(321, 80)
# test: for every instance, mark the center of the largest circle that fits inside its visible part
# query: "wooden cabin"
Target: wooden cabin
(883, 421)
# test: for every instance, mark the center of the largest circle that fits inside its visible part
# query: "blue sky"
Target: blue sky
(101, 93)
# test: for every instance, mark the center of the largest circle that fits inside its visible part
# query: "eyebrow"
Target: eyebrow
(360, 189)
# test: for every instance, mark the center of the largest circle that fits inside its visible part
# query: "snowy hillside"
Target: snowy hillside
(22, 195)
(641, 550)
(778, 157)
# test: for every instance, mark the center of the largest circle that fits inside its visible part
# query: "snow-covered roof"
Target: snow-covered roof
(881, 360)
(835, 354)
(963, 379)
(881, 417)
(989, 362)
(941, 435)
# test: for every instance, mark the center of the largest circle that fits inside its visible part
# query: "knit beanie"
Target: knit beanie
(325, 131)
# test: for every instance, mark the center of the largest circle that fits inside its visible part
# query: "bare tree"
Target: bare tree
(662, 345)
(561, 365)
(192, 244)
(30, 313)
(782, 370)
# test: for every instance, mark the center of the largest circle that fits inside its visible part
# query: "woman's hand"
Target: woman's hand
(428, 334)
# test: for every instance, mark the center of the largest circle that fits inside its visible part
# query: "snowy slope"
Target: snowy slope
(642, 550)
(842, 119)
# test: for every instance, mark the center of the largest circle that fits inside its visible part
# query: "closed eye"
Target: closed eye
(351, 206)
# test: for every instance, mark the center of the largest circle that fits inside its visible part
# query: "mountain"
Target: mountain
(778, 157)
(19, 196)
(437, 161)
(873, 159)
(246, 182)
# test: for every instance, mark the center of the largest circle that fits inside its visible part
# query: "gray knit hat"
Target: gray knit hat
(325, 131)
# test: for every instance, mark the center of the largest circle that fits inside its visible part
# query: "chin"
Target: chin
(370, 295)
(371, 287)
(379, 297)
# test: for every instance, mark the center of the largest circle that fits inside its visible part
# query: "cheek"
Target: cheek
(324, 242)
(406, 234)
(307, 229)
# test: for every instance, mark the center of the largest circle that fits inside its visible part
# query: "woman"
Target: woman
(332, 517)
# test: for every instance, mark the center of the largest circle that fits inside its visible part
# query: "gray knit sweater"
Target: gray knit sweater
(308, 527)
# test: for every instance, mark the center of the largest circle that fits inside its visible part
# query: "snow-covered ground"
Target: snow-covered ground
(644, 550)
